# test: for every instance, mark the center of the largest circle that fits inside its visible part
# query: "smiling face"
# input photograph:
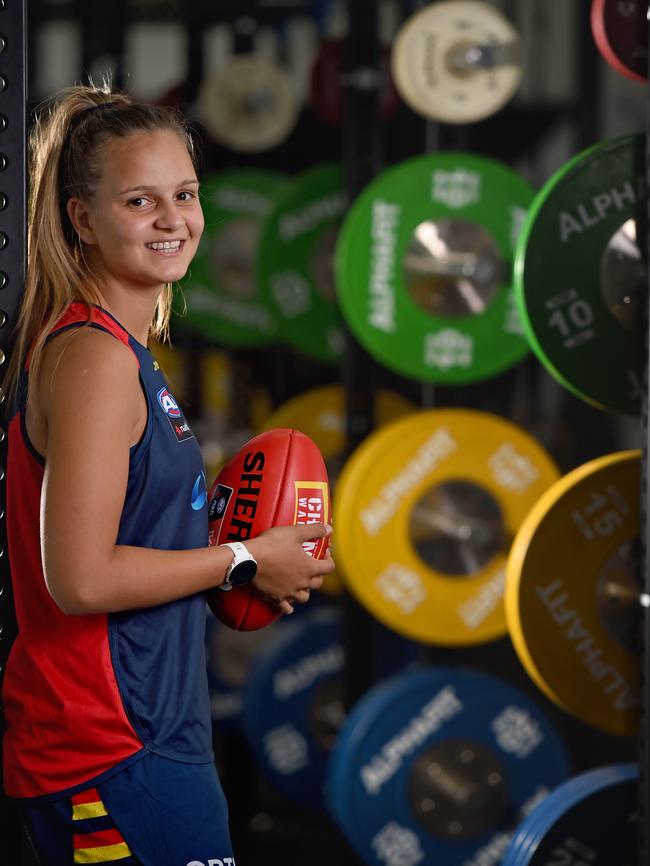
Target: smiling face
(143, 225)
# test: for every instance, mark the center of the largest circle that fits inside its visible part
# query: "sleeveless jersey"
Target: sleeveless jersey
(86, 695)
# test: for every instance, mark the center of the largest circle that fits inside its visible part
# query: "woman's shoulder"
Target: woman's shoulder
(86, 357)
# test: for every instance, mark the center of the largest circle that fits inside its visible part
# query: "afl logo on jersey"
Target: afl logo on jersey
(174, 415)
(169, 405)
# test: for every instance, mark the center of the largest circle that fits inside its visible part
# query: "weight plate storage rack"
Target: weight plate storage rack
(362, 145)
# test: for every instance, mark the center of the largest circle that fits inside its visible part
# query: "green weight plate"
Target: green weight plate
(423, 268)
(221, 292)
(579, 274)
(295, 262)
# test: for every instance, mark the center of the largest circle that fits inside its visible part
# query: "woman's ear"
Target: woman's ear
(79, 216)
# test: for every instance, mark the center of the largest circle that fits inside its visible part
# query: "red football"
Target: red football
(276, 479)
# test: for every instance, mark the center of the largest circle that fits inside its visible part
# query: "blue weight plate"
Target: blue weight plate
(572, 794)
(589, 818)
(372, 708)
(559, 801)
(293, 707)
(229, 656)
(440, 765)
(527, 833)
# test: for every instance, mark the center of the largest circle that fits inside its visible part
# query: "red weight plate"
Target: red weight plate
(620, 30)
(326, 83)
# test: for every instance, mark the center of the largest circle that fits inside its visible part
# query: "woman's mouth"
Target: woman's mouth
(166, 247)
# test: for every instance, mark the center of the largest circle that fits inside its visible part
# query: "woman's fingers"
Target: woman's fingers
(285, 607)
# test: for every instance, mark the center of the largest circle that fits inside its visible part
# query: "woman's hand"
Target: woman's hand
(285, 573)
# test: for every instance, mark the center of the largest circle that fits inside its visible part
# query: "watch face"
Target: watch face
(243, 572)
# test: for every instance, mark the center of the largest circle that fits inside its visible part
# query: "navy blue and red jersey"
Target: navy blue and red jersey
(84, 696)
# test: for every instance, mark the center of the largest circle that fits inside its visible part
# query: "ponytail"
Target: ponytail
(65, 162)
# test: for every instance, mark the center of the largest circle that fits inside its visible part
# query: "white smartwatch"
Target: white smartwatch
(242, 569)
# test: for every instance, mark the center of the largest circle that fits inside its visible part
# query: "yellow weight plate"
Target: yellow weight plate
(571, 594)
(320, 414)
(425, 512)
(216, 379)
(222, 429)
(173, 363)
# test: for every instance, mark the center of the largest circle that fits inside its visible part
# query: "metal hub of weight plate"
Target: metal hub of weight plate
(320, 414)
(580, 276)
(574, 623)
(249, 105)
(293, 706)
(423, 268)
(327, 83)
(436, 766)
(457, 61)
(590, 819)
(620, 31)
(425, 512)
(221, 292)
(295, 262)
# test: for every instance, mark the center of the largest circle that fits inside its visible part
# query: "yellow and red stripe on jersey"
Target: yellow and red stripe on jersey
(104, 846)
(87, 804)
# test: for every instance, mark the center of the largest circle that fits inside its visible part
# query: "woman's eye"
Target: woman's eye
(137, 202)
(186, 195)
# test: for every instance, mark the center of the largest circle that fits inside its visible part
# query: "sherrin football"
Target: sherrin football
(277, 478)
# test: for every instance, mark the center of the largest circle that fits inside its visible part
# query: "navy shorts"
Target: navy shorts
(155, 812)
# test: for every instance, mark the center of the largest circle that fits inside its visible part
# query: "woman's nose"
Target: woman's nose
(168, 217)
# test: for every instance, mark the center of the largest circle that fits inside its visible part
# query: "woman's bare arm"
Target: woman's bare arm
(92, 405)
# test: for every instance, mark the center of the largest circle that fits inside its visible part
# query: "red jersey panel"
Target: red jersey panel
(60, 694)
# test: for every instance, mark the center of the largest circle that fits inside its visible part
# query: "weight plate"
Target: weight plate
(568, 826)
(327, 83)
(425, 512)
(249, 105)
(320, 414)
(620, 31)
(229, 656)
(457, 61)
(233, 405)
(436, 766)
(223, 299)
(423, 268)
(293, 706)
(580, 276)
(295, 262)
(573, 625)
(173, 363)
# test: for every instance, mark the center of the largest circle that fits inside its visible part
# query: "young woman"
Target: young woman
(108, 736)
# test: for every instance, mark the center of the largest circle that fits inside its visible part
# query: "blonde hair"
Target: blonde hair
(65, 147)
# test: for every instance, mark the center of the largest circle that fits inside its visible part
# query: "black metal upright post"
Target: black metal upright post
(362, 159)
(13, 246)
(644, 727)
